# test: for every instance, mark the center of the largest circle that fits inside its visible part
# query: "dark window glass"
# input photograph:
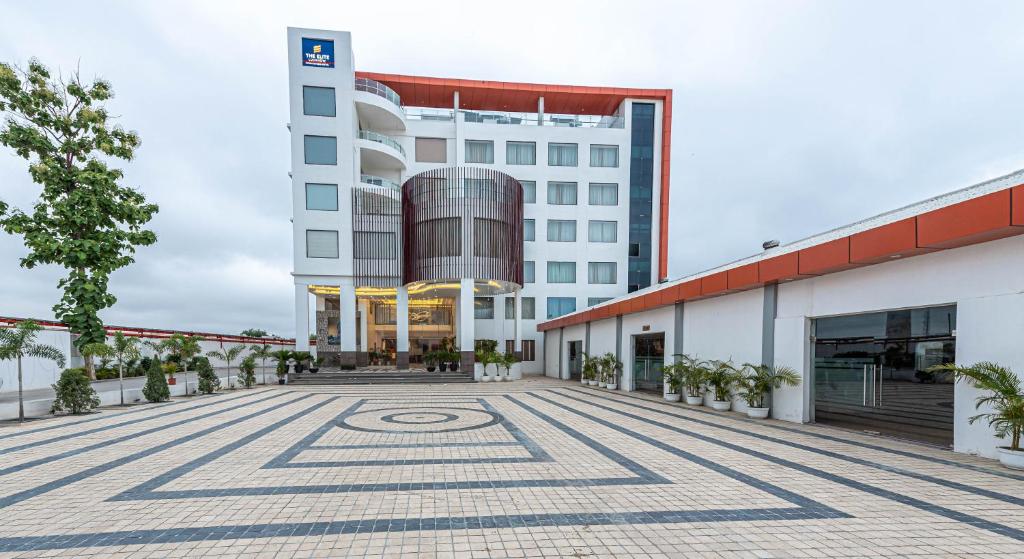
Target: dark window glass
(318, 101)
(641, 195)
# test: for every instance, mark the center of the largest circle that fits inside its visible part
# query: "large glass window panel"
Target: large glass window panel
(321, 244)
(562, 193)
(521, 153)
(558, 306)
(529, 192)
(603, 231)
(601, 272)
(483, 307)
(442, 237)
(529, 271)
(318, 101)
(529, 230)
(591, 301)
(510, 307)
(320, 150)
(562, 155)
(479, 151)
(374, 245)
(562, 230)
(604, 194)
(431, 150)
(561, 272)
(604, 156)
(529, 308)
(322, 197)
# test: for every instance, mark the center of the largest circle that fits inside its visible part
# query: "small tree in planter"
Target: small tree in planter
(247, 375)
(20, 342)
(74, 393)
(453, 357)
(757, 380)
(672, 375)
(610, 368)
(155, 389)
(721, 376)
(262, 352)
(507, 361)
(591, 369)
(694, 374)
(184, 348)
(1005, 397)
(430, 360)
(227, 355)
(281, 356)
(301, 360)
(485, 358)
(208, 383)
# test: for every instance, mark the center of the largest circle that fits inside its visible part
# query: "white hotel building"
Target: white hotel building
(431, 208)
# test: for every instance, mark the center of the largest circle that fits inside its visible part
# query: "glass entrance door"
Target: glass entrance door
(648, 361)
(871, 372)
(575, 360)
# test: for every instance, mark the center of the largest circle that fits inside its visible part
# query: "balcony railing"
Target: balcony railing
(425, 113)
(379, 181)
(379, 89)
(381, 139)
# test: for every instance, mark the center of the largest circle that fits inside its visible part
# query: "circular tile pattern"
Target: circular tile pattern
(420, 419)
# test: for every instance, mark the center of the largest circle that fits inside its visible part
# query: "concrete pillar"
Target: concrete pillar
(347, 322)
(540, 111)
(517, 344)
(402, 328)
(466, 334)
(363, 346)
(301, 317)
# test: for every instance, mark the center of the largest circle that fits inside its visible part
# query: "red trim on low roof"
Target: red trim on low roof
(485, 95)
(156, 334)
(977, 220)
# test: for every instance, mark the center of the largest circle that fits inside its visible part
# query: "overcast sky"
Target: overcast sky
(790, 118)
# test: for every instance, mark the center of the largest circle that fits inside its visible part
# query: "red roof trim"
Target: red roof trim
(154, 333)
(978, 220)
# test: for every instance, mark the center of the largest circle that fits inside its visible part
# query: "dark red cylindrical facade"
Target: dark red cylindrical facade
(462, 222)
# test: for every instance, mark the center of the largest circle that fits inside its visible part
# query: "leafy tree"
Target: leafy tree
(158, 347)
(248, 372)
(227, 354)
(74, 393)
(262, 352)
(19, 342)
(254, 333)
(1003, 396)
(95, 349)
(184, 348)
(208, 381)
(83, 220)
(156, 389)
(123, 349)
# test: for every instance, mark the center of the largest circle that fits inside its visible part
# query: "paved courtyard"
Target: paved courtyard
(535, 468)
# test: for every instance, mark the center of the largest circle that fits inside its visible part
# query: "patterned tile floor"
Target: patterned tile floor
(536, 468)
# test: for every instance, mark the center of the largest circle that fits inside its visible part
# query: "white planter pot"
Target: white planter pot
(501, 377)
(695, 400)
(583, 380)
(719, 405)
(600, 384)
(672, 397)
(485, 378)
(592, 382)
(1011, 458)
(758, 413)
(611, 386)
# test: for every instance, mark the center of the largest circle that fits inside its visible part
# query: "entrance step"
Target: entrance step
(377, 376)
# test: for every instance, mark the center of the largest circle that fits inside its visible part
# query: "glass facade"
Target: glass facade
(323, 197)
(318, 101)
(558, 306)
(641, 195)
(320, 150)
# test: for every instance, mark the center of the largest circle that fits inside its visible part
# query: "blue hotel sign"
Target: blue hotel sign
(318, 52)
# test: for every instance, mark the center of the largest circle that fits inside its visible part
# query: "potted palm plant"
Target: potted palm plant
(1004, 396)
(453, 357)
(314, 366)
(756, 381)
(282, 356)
(430, 360)
(672, 375)
(485, 358)
(508, 360)
(611, 367)
(721, 376)
(694, 373)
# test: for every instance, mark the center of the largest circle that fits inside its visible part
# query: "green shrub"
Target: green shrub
(208, 381)
(74, 393)
(155, 389)
(248, 372)
(106, 374)
(169, 368)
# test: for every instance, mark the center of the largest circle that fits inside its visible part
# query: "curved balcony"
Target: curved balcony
(380, 151)
(379, 181)
(378, 105)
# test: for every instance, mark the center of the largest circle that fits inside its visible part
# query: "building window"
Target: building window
(485, 189)
(510, 346)
(603, 231)
(431, 150)
(562, 155)
(529, 308)
(604, 194)
(521, 153)
(604, 156)
(529, 230)
(562, 230)
(479, 151)
(321, 244)
(510, 307)
(601, 272)
(558, 306)
(561, 272)
(490, 237)
(529, 192)
(529, 350)
(374, 245)
(320, 150)
(323, 197)
(562, 193)
(483, 307)
(591, 301)
(641, 195)
(529, 271)
(318, 101)
(443, 237)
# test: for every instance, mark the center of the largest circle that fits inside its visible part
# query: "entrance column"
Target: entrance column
(347, 322)
(301, 317)
(363, 351)
(517, 345)
(466, 333)
(402, 328)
